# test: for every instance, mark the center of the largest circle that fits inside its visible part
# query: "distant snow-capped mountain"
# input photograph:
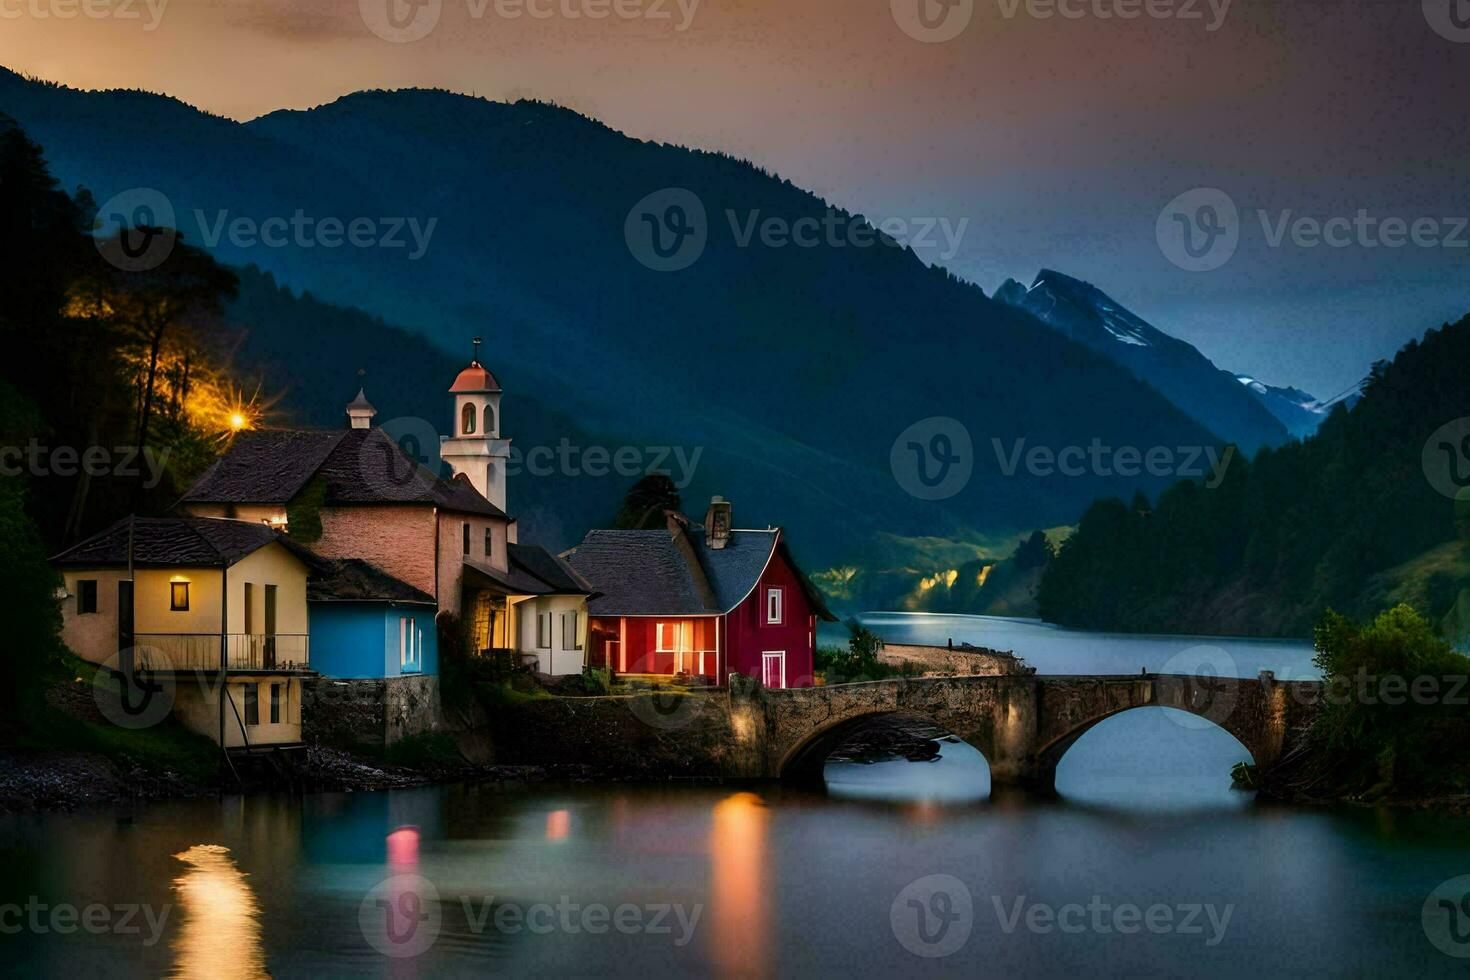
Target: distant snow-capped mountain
(1300, 412)
(1208, 394)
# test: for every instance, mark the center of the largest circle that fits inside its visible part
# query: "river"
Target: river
(1148, 864)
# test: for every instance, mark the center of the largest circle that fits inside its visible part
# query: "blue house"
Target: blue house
(367, 624)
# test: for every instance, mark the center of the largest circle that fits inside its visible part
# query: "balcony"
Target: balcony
(243, 651)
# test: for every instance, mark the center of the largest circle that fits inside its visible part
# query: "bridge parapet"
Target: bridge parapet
(1023, 724)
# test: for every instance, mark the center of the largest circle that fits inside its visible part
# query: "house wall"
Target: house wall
(748, 636)
(360, 639)
(271, 565)
(197, 705)
(561, 657)
(452, 553)
(639, 639)
(91, 636)
(398, 538)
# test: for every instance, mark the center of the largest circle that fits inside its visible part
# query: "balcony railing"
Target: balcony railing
(201, 651)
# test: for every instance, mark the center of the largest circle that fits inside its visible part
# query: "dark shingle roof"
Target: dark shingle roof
(178, 541)
(639, 573)
(360, 466)
(673, 573)
(266, 467)
(355, 580)
(550, 569)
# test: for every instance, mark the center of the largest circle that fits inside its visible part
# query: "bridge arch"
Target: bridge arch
(1050, 755)
(804, 762)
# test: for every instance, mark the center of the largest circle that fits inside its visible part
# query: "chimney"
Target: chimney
(717, 523)
(360, 412)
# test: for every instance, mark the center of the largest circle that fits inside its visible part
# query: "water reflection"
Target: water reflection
(220, 934)
(739, 915)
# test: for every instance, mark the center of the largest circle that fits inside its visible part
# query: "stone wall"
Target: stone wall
(952, 661)
(369, 714)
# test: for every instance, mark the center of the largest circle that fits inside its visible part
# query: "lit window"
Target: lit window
(178, 596)
(668, 638)
(774, 601)
(86, 595)
(467, 421)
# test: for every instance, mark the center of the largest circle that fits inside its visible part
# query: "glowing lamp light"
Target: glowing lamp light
(238, 421)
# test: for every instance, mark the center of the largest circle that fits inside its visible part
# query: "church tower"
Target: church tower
(476, 449)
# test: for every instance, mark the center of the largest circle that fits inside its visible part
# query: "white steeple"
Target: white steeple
(476, 449)
(360, 411)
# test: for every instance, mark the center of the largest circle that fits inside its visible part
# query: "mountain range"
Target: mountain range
(791, 369)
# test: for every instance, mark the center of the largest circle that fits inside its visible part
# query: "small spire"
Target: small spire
(475, 359)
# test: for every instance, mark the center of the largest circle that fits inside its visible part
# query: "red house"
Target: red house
(702, 600)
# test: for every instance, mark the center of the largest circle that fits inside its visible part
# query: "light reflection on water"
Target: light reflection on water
(792, 883)
(220, 932)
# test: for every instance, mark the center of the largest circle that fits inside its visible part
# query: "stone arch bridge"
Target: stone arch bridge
(1022, 723)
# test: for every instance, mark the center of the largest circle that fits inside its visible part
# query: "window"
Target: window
(275, 704)
(668, 638)
(467, 537)
(543, 630)
(489, 420)
(252, 705)
(773, 668)
(489, 542)
(410, 645)
(467, 421)
(178, 596)
(569, 638)
(86, 595)
(775, 599)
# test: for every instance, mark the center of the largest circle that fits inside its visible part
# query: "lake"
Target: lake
(1148, 864)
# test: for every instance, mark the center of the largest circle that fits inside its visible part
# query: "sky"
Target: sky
(1279, 182)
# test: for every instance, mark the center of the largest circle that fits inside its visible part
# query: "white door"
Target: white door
(773, 668)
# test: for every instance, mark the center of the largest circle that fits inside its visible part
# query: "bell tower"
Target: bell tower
(476, 448)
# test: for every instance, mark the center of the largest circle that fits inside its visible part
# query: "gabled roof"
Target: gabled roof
(189, 542)
(671, 572)
(359, 466)
(355, 580)
(532, 571)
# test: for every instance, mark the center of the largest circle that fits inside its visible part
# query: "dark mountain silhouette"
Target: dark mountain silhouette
(1086, 314)
(793, 369)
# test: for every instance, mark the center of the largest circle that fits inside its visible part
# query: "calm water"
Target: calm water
(762, 881)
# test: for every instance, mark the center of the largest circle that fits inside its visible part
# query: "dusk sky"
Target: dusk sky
(1049, 141)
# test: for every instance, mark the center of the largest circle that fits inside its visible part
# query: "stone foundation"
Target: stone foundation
(359, 714)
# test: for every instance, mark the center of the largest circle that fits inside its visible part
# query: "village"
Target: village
(311, 568)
